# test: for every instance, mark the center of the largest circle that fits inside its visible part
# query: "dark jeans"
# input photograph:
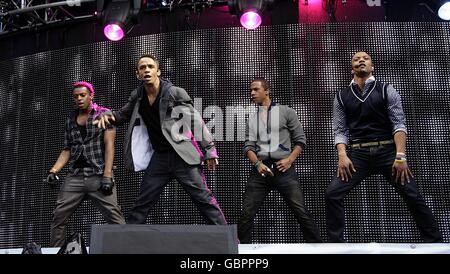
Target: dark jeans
(163, 167)
(369, 161)
(288, 185)
(75, 189)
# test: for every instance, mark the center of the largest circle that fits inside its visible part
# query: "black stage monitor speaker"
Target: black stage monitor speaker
(163, 239)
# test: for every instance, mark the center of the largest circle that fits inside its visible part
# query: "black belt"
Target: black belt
(373, 144)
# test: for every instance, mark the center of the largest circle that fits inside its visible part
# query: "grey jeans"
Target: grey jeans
(75, 189)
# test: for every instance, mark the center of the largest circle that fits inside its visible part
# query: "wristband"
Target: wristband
(400, 161)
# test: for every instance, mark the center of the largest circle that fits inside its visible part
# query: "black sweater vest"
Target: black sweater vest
(367, 117)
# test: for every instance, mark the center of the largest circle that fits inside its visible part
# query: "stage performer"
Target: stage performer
(274, 140)
(370, 138)
(90, 154)
(168, 139)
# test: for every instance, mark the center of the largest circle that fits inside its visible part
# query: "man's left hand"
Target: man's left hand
(284, 164)
(401, 172)
(211, 163)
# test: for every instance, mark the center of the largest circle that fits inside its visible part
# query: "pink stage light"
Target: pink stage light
(113, 32)
(250, 20)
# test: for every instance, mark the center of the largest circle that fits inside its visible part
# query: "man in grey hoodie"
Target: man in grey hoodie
(271, 133)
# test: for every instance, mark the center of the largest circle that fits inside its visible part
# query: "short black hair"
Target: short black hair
(263, 82)
(153, 57)
(361, 50)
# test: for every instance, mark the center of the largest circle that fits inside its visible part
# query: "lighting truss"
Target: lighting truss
(25, 15)
(30, 15)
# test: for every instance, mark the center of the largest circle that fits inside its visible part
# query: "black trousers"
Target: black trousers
(288, 185)
(163, 167)
(377, 160)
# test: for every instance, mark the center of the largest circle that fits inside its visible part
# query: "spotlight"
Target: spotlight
(250, 20)
(118, 16)
(114, 32)
(250, 12)
(444, 11)
(440, 8)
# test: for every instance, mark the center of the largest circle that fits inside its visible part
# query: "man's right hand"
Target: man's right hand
(52, 180)
(264, 170)
(103, 120)
(345, 168)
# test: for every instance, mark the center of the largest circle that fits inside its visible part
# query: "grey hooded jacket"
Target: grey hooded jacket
(272, 137)
(181, 124)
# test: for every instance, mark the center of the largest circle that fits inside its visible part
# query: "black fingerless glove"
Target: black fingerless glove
(106, 186)
(52, 180)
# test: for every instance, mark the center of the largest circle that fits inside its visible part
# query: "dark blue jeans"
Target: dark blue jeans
(377, 160)
(163, 167)
(288, 185)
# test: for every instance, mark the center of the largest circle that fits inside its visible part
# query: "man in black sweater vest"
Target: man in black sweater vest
(368, 119)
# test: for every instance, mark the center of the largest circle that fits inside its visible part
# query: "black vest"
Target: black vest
(367, 117)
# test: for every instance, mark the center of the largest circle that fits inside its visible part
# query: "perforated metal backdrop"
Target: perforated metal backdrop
(305, 65)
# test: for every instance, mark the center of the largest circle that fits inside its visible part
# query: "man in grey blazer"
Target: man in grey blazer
(162, 139)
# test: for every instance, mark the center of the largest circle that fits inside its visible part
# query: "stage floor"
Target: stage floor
(365, 248)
